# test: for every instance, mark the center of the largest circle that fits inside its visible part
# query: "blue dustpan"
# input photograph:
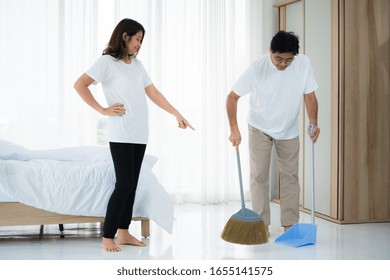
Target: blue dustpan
(299, 235)
(302, 234)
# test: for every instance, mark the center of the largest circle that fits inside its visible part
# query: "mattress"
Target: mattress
(77, 181)
(5, 198)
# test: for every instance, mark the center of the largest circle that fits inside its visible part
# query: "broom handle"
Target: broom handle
(312, 176)
(240, 178)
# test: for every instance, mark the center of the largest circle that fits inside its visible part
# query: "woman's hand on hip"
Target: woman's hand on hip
(114, 110)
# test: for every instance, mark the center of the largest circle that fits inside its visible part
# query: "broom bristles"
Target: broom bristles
(245, 232)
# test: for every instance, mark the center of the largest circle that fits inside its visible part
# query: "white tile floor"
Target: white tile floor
(196, 236)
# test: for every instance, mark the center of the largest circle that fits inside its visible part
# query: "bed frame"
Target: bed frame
(19, 214)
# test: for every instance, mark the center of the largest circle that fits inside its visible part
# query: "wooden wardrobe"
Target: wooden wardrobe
(348, 44)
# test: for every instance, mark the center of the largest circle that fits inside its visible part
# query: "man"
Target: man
(277, 81)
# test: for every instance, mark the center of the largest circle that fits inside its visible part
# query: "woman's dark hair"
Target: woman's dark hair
(285, 42)
(117, 45)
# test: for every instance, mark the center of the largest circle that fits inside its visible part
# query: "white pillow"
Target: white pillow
(11, 151)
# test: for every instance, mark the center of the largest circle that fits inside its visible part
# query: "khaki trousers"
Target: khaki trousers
(260, 146)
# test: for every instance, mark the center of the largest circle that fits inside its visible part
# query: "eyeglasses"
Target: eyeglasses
(279, 59)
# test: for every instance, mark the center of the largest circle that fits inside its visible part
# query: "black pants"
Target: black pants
(127, 160)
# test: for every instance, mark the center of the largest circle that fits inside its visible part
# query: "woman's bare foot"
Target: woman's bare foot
(125, 238)
(109, 245)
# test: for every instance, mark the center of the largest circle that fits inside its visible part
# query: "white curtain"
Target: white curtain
(194, 50)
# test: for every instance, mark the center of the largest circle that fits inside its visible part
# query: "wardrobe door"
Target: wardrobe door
(318, 43)
(294, 21)
(366, 113)
(312, 20)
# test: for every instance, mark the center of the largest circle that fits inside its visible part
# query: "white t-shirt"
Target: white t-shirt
(124, 83)
(276, 95)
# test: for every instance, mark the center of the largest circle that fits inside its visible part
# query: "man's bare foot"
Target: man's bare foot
(125, 238)
(109, 245)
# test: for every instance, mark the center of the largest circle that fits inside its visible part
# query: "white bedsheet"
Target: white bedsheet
(5, 198)
(77, 181)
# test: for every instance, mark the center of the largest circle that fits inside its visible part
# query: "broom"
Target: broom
(245, 226)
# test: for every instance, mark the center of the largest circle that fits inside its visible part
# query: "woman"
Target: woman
(125, 84)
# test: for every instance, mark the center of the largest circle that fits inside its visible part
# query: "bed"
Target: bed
(72, 185)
